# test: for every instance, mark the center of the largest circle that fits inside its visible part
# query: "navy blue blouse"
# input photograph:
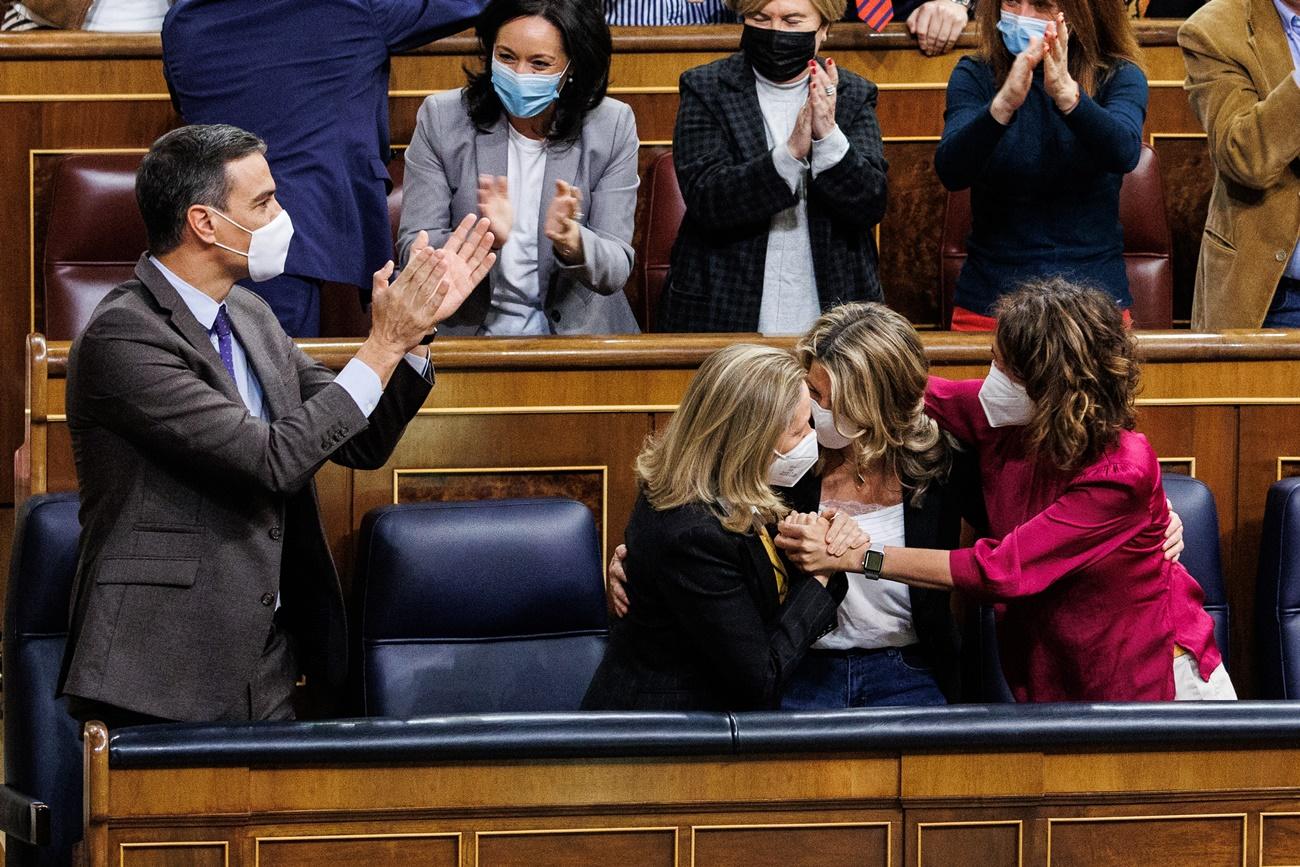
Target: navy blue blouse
(1044, 188)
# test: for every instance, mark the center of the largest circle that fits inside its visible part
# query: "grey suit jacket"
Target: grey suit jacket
(446, 156)
(195, 514)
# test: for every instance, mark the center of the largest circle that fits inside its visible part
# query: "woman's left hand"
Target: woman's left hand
(1063, 89)
(562, 225)
(803, 538)
(1173, 546)
(822, 84)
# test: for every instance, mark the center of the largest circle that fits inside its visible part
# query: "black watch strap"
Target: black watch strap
(873, 563)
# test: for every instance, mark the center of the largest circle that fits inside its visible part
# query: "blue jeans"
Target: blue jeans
(1284, 312)
(829, 679)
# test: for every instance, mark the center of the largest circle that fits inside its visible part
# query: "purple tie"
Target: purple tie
(222, 326)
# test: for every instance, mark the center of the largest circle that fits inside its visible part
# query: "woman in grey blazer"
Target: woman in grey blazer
(532, 143)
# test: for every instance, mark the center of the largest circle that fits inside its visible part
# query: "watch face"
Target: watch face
(874, 562)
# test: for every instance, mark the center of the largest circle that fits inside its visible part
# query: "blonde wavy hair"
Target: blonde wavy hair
(878, 372)
(718, 446)
(1068, 344)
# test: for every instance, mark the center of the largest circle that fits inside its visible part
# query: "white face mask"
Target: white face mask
(268, 246)
(828, 428)
(1005, 402)
(788, 468)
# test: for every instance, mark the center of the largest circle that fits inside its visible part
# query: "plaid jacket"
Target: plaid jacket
(732, 191)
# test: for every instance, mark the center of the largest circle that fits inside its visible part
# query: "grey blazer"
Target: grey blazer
(194, 513)
(446, 156)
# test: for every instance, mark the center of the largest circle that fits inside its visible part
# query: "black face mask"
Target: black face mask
(778, 55)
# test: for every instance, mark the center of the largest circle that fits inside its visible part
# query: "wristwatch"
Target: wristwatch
(874, 561)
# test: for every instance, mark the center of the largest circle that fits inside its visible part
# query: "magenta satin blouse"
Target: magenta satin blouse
(1090, 609)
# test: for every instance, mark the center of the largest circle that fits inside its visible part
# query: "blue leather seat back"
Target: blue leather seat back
(1277, 594)
(42, 742)
(1195, 505)
(475, 607)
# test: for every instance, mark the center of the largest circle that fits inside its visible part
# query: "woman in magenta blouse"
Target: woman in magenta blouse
(1090, 609)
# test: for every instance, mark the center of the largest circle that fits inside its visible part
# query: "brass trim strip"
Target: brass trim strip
(1262, 818)
(174, 844)
(1074, 820)
(548, 410)
(1188, 459)
(888, 826)
(1280, 461)
(552, 831)
(990, 823)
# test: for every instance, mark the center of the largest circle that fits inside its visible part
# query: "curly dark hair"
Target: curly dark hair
(1068, 344)
(587, 42)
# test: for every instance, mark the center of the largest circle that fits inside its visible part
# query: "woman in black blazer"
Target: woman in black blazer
(719, 619)
(781, 165)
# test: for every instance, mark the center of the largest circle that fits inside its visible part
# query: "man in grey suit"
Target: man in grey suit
(204, 585)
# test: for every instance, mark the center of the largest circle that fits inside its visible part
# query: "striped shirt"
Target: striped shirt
(662, 13)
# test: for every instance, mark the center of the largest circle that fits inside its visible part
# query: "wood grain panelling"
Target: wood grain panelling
(1158, 841)
(651, 848)
(1279, 839)
(1189, 176)
(794, 846)
(969, 844)
(174, 854)
(909, 235)
(360, 851)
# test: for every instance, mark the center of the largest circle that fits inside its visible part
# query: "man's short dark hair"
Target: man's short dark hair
(187, 166)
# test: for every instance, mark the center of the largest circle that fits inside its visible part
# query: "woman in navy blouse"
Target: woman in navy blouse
(1042, 123)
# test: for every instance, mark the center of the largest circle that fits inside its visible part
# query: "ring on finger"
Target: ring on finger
(830, 90)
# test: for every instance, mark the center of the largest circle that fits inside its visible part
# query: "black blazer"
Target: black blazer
(732, 191)
(705, 630)
(935, 522)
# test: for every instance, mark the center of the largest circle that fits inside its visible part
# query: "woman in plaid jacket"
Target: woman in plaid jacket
(781, 166)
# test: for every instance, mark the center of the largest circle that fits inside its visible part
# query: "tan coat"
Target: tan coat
(1240, 83)
(64, 14)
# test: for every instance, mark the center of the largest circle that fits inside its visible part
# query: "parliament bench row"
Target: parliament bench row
(484, 607)
(81, 262)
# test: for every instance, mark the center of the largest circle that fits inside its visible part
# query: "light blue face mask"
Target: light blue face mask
(1017, 30)
(525, 95)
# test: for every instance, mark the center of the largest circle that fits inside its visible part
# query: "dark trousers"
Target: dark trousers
(268, 695)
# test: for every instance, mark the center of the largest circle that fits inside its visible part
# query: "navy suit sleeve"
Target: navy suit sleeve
(1110, 126)
(410, 23)
(970, 133)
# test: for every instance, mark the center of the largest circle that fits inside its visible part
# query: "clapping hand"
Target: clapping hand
(822, 84)
(494, 203)
(1060, 86)
(1016, 88)
(563, 225)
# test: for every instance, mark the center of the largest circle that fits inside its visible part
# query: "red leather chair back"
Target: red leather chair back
(1148, 245)
(661, 220)
(95, 235)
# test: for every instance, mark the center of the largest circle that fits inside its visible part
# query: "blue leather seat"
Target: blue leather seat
(476, 607)
(42, 743)
(1277, 594)
(1195, 505)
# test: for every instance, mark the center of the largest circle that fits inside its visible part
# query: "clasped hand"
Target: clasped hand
(816, 120)
(822, 544)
